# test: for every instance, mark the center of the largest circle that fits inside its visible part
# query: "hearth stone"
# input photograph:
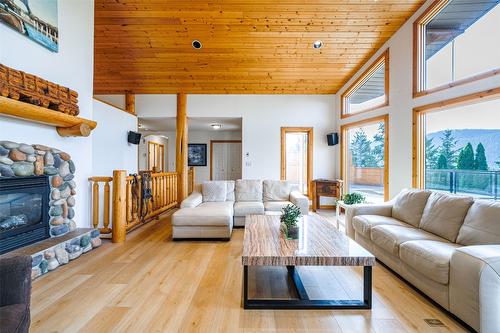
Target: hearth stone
(3, 151)
(50, 171)
(23, 169)
(9, 144)
(59, 230)
(27, 149)
(5, 160)
(51, 253)
(6, 171)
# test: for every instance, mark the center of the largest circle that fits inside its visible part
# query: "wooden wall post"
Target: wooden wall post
(119, 206)
(181, 148)
(130, 103)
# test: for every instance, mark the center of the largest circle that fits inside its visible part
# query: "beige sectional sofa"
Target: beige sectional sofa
(447, 246)
(215, 207)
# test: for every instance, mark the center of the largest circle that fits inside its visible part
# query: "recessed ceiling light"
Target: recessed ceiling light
(196, 44)
(216, 126)
(318, 44)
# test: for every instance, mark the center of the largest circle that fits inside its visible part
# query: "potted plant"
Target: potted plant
(353, 198)
(289, 217)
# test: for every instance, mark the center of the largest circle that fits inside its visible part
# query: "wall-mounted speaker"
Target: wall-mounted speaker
(332, 138)
(134, 137)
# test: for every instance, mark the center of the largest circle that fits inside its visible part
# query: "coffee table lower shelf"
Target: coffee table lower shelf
(303, 302)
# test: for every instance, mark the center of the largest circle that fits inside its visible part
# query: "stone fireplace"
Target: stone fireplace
(37, 199)
(23, 160)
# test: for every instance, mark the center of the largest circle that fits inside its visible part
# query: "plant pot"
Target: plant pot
(292, 233)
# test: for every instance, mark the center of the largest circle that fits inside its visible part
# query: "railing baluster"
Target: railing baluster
(95, 204)
(106, 207)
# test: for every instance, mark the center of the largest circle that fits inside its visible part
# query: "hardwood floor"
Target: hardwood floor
(152, 284)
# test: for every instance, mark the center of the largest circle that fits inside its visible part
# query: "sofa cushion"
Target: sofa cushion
(248, 190)
(275, 206)
(481, 224)
(14, 318)
(444, 214)
(389, 237)
(230, 190)
(431, 258)
(278, 190)
(363, 224)
(244, 208)
(409, 205)
(214, 191)
(206, 214)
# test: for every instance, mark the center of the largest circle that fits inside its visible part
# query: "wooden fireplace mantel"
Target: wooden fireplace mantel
(66, 124)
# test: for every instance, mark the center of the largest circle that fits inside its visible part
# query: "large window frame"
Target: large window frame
(419, 71)
(344, 142)
(419, 113)
(310, 143)
(383, 59)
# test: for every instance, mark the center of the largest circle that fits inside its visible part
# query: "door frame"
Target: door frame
(212, 149)
(310, 145)
(157, 148)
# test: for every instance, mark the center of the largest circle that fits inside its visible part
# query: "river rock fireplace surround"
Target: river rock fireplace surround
(37, 200)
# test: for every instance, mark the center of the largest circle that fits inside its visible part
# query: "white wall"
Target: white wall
(401, 103)
(110, 150)
(72, 66)
(115, 100)
(262, 117)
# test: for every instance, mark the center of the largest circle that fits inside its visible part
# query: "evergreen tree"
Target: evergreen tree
(431, 154)
(466, 158)
(378, 145)
(480, 162)
(361, 151)
(442, 162)
(448, 143)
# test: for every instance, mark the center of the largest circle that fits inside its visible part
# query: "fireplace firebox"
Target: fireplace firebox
(24, 216)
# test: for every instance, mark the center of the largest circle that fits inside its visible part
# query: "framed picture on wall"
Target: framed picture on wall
(197, 154)
(35, 19)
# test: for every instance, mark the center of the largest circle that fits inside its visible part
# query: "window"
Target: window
(457, 145)
(364, 158)
(455, 43)
(296, 156)
(369, 91)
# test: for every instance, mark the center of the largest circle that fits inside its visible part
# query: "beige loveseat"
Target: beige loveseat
(447, 246)
(215, 207)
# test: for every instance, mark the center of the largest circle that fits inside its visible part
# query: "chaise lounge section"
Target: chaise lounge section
(447, 246)
(215, 207)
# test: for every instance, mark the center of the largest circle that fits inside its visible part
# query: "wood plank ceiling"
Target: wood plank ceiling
(249, 47)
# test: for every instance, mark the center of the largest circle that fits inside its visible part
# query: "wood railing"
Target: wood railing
(127, 211)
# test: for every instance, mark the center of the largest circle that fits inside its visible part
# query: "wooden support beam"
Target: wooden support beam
(181, 148)
(82, 129)
(130, 103)
(119, 228)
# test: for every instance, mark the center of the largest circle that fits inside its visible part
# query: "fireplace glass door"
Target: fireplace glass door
(23, 211)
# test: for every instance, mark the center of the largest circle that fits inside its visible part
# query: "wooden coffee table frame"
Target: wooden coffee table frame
(303, 302)
(319, 244)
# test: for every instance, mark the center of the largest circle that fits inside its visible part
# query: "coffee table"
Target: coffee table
(320, 243)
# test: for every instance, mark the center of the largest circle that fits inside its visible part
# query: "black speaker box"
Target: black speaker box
(333, 139)
(134, 137)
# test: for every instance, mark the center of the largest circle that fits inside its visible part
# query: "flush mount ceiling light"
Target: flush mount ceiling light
(216, 126)
(196, 44)
(318, 44)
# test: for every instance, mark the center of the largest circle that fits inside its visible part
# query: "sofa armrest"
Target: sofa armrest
(301, 201)
(15, 280)
(475, 286)
(193, 200)
(364, 209)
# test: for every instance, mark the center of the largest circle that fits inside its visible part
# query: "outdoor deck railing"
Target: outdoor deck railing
(485, 184)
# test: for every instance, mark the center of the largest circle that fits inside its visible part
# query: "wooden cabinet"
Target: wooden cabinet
(325, 188)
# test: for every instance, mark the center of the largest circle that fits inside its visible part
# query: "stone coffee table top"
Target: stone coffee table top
(320, 243)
